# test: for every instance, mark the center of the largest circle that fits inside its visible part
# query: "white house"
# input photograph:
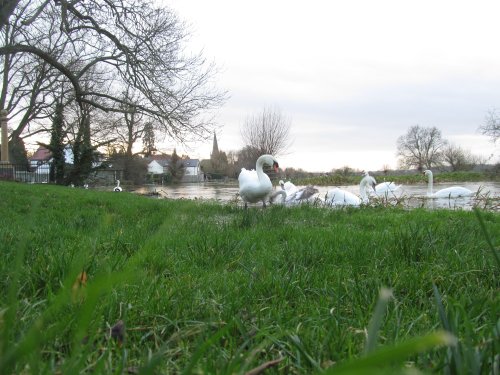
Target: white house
(192, 172)
(158, 166)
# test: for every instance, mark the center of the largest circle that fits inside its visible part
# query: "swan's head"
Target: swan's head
(269, 160)
(427, 173)
(282, 184)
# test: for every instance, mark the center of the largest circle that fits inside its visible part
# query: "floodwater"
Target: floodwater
(410, 196)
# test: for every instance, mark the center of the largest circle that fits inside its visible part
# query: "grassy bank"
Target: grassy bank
(337, 179)
(211, 288)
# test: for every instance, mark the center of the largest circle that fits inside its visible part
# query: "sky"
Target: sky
(351, 76)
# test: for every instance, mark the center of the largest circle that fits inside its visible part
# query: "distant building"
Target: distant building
(192, 171)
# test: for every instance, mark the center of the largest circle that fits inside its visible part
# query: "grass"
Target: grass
(210, 288)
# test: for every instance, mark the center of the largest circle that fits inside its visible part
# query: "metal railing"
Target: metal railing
(23, 173)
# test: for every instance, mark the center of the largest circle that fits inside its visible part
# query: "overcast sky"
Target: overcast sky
(352, 76)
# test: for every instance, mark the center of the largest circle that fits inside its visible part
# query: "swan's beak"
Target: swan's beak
(276, 166)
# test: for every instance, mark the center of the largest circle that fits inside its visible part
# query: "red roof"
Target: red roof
(41, 154)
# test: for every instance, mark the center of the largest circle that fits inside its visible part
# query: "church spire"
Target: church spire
(215, 149)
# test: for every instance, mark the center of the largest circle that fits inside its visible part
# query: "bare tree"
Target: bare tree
(420, 148)
(459, 159)
(491, 126)
(113, 45)
(267, 132)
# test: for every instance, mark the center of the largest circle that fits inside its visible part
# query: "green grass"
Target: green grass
(210, 288)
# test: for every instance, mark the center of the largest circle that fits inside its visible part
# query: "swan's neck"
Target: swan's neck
(259, 168)
(429, 184)
(362, 190)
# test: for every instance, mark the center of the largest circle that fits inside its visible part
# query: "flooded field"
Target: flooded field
(411, 196)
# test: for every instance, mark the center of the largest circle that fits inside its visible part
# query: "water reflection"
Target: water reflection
(410, 196)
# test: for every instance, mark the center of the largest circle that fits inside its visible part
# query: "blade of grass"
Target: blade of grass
(487, 237)
(376, 320)
(391, 355)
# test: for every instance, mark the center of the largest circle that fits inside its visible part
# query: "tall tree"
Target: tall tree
(56, 146)
(459, 159)
(268, 132)
(420, 148)
(135, 45)
(148, 140)
(176, 167)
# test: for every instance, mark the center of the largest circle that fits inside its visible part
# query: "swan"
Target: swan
(384, 188)
(451, 192)
(255, 185)
(288, 187)
(294, 195)
(340, 197)
(117, 188)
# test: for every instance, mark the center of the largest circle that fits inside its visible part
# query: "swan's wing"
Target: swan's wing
(306, 192)
(453, 192)
(342, 197)
(251, 188)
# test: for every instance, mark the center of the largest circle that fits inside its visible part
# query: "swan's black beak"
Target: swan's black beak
(276, 166)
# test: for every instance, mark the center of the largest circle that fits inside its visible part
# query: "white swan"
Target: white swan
(451, 192)
(340, 197)
(255, 185)
(384, 188)
(294, 195)
(117, 188)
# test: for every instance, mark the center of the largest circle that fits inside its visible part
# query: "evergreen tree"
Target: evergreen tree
(83, 152)
(56, 146)
(148, 139)
(176, 167)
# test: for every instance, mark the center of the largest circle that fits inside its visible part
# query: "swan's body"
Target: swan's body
(117, 188)
(340, 197)
(255, 185)
(386, 187)
(451, 192)
(294, 195)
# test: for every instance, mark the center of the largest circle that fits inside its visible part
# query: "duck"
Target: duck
(254, 185)
(117, 188)
(451, 192)
(294, 195)
(340, 197)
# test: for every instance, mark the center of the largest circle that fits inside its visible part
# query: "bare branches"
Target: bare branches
(491, 126)
(103, 47)
(267, 132)
(420, 147)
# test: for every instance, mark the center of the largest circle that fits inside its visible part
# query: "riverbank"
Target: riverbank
(94, 281)
(406, 179)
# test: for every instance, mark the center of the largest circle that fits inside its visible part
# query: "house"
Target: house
(192, 171)
(158, 166)
(41, 156)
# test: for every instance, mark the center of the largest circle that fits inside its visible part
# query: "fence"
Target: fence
(23, 173)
